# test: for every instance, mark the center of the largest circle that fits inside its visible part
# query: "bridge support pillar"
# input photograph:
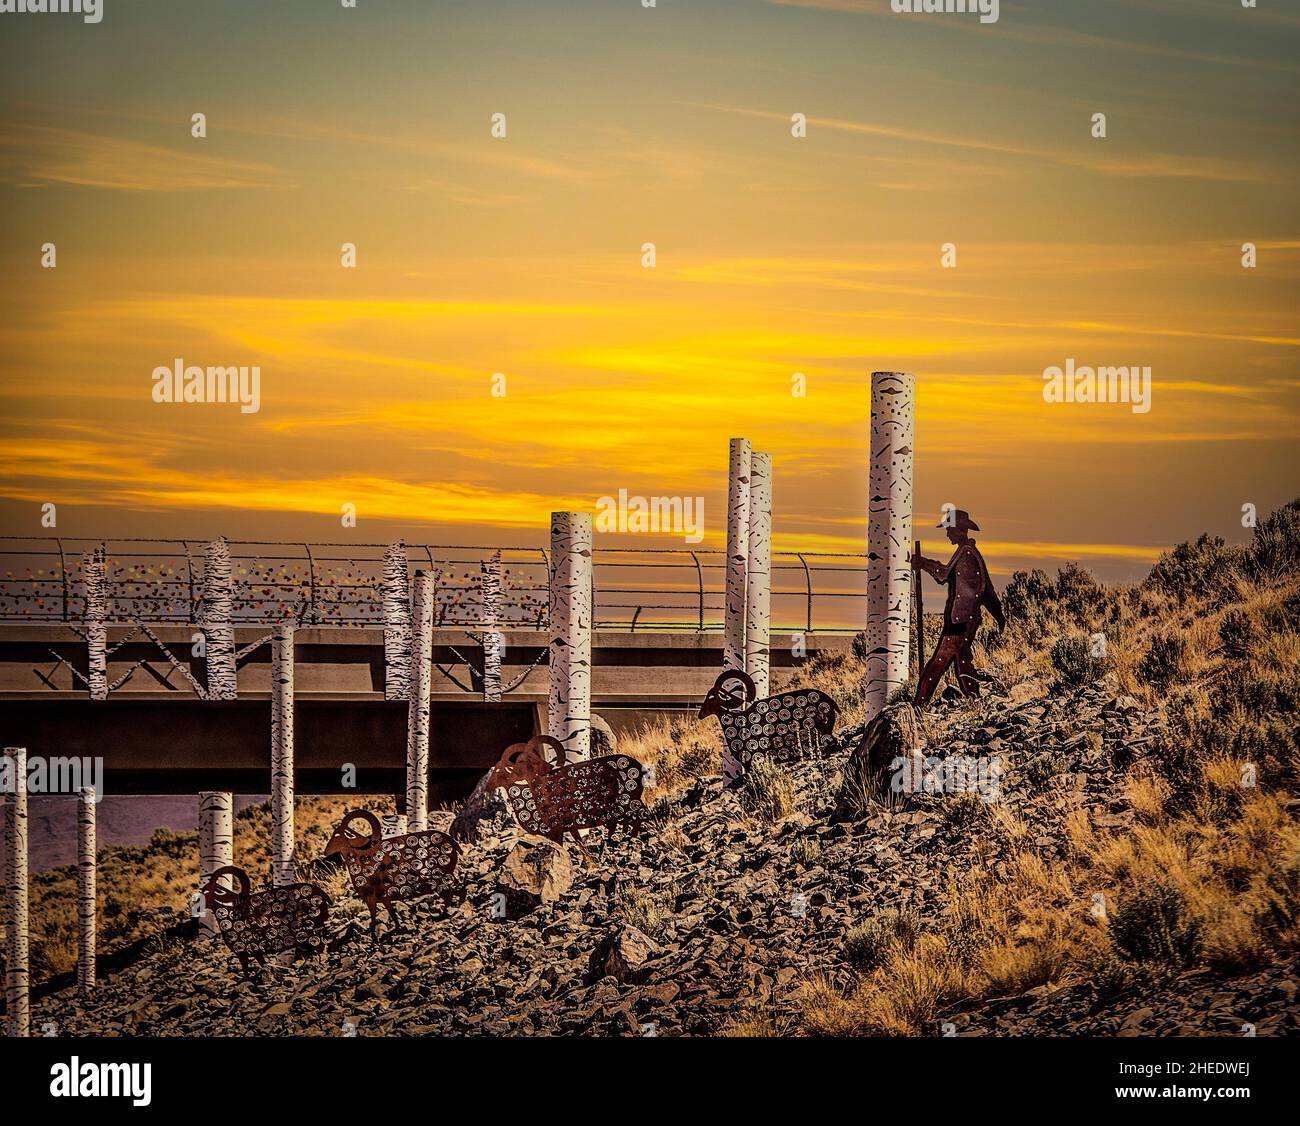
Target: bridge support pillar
(282, 851)
(17, 968)
(216, 839)
(889, 536)
(215, 622)
(738, 501)
(569, 702)
(492, 640)
(758, 586)
(397, 623)
(87, 853)
(94, 575)
(421, 687)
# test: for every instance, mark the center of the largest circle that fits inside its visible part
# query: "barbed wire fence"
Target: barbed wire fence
(157, 582)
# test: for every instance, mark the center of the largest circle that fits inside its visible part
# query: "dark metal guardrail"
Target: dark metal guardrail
(340, 584)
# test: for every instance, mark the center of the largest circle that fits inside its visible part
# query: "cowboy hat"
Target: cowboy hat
(961, 520)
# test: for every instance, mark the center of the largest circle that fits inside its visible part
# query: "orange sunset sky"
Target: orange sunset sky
(775, 255)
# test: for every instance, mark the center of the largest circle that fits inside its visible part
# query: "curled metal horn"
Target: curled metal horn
(735, 690)
(539, 741)
(217, 894)
(363, 815)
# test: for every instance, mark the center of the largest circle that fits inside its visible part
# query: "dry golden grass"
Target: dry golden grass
(1146, 793)
(1078, 831)
(648, 913)
(902, 998)
(1232, 852)
(767, 793)
(681, 749)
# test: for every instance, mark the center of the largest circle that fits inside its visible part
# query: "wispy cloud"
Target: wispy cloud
(36, 155)
(1052, 35)
(1158, 165)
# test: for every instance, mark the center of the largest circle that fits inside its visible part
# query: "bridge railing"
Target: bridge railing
(341, 584)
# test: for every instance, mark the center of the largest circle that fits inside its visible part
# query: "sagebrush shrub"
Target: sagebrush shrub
(1155, 924)
(1198, 569)
(867, 945)
(1074, 662)
(1164, 660)
(1236, 632)
(1274, 550)
(1045, 766)
(961, 811)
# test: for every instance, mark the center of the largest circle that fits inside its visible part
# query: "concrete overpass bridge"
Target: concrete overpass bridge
(657, 649)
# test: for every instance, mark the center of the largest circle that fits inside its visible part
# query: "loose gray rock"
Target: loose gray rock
(622, 954)
(535, 871)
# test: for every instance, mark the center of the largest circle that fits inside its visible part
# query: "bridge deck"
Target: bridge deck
(156, 736)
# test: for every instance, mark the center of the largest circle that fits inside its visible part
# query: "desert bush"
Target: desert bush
(806, 851)
(1165, 660)
(1280, 915)
(1235, 632)
(767, 792)
(1044, 766)
(644, 911)
(1274, 550)
(1194, 570)
(681, 749)
(869, 944)
(1074, 662)
(1025, 591)
(903, 693)
(1155, 924)
(1113, 976)
(1284, 617)
(1032, 598)
(858, 646)
(1271, 742)
(963, 810)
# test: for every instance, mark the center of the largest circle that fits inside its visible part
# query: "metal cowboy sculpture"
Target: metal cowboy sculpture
(969, 589)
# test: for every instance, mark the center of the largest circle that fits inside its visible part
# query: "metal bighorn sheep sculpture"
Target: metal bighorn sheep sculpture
(275, 921)
(553, 799)
(783, 728)
(386, 870)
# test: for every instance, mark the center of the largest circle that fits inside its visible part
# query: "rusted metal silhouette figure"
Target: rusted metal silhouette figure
(391, 869)
(969, 589)
(291, 918)
(551, 800)
(793, 725)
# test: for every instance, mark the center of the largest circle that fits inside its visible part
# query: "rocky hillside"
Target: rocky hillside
(1131, 865)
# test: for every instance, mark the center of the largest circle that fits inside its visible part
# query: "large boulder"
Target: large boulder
(603, 740)
(895, 733)
(622, 954)
(534, 872)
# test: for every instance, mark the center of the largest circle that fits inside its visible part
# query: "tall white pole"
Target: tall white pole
(417, 722)
(215, 622)
(397, 623)
(889, 536)
(491, 629)
(17, 968)
(738, 499)
(86, 888)
(569, 703)
(94, 574)
(216, 837)
(758, 590)
(282, 850)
